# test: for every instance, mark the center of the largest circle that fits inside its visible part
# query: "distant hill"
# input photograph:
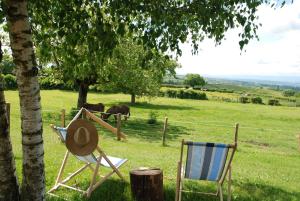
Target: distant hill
(273, 82)
(283, 81)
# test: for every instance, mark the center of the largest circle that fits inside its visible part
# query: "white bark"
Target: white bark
(9, 187)
(33, 185)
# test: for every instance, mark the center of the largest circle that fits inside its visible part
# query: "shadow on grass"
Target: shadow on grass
(150, 106)
(139, 128)
(241, 192)
(110, 190)
(252, 191)
(118, 190)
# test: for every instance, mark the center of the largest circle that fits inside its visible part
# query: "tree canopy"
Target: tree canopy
(79, 35)
(194, 80)
(136, 71)
(160, 24)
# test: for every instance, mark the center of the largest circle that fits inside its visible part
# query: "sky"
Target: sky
(277, 53)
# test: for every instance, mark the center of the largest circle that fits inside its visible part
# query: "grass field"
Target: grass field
(236, 91)
(266, 166)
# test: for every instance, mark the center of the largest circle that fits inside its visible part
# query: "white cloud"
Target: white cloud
(276, 53)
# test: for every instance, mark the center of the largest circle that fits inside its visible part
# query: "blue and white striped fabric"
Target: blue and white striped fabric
(205, 161)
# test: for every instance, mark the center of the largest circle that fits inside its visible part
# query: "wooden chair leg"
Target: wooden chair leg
(229, 184)
(180, 190)
(62, 167)
(220, 192)
(90, 189)
(178, 181)
(181, 181)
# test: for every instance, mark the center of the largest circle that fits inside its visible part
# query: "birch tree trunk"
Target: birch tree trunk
(9, 187)
(33, 183)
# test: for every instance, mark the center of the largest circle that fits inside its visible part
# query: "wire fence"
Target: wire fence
(172, 121)
(165, 130)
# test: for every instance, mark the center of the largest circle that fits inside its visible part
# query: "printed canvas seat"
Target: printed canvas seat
(91, 161)
(206, 161)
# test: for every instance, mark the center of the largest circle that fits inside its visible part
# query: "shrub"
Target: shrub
(161, 93)
(181, 94)
(10, 81)
(171, 93)
(51, 83)
(173, 85)
(185, 94)
(257, 100)
(273, 102)
(244, 99)
(191, 94)
(152, 118)
(288, 93)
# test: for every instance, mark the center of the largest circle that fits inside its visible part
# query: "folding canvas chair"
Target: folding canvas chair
(206, 161)
(102, 159)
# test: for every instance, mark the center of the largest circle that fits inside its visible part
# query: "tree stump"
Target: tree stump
(147, 184)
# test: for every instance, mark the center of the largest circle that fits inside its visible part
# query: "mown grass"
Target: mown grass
(266, 166)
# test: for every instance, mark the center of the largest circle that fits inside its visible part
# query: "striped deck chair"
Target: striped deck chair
(102, 160)
(206, 161)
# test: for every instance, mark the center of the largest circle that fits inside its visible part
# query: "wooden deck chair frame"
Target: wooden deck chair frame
(226, 171)
(94, 183)
(61, 182)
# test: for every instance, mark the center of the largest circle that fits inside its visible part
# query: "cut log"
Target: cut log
(147, 184)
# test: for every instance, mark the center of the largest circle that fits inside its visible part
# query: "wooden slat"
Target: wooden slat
(165, 131)
(63, 118)
(58, 179)
(73, 188)
(104, 124)
(119, 126)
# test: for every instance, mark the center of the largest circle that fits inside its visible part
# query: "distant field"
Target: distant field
(264, 92)
(232, 93)
(266, 166)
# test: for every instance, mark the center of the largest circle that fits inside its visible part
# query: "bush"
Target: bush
(152, 118)
(173, 85)
(10, 81)
(273, 102)
(244, 99)
(181, 94)
(257, 100)
(161, 93)
(171, 93)
(51, 83)
(184, 94)
(289, 93)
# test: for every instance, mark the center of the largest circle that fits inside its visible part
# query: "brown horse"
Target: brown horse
(116, 109)
(99, 107)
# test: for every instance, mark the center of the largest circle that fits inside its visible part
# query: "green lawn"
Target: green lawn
(266, 166)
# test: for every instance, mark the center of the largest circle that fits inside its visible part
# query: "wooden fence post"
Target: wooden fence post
(165, 131)
(8, 113)
(63, 118)
(299, 141)
(119, 126)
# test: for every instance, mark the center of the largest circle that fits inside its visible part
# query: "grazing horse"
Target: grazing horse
(116, 109)
(99, 107)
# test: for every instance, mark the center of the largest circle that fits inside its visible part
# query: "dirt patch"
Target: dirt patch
(261, 144)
